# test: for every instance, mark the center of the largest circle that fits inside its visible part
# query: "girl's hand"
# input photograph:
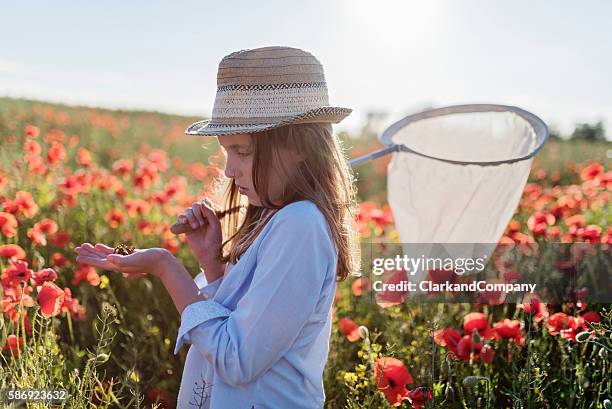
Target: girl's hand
(141, 262)
(205, 241)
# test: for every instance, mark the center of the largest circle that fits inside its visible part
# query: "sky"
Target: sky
(553, 58)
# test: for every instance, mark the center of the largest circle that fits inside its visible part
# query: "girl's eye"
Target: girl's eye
(243, 154)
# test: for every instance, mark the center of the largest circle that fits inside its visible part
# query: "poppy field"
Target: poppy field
(70, 175)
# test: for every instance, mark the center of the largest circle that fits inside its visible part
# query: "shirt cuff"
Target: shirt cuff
(195, 314)
(209, 290)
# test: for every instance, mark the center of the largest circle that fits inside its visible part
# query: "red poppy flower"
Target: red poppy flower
(159, 159)
(47, 226)
(513, 226)
(16, 272)
(418, 397)
(36, 165)
(447, 337)
(122, 167)
(31, 149)
(14, 344)
(14, 296)
(519, 237)
(145, 226)
(37, 237)
(591, 233)
(391, 378)
(171, 244)
(509, 329)
(70, 185)
(592, 171)
(591, 316)
(31, 131)
(177, 184)
(56, 153)
(532, 305)
(388, 298)
(50, 298)
(60, 239)
(83, 157)
(55, 135)
(72, 306)
(8, 224)
(59, 260)
(85, 272)
(23, 203)
(468, 349)
(577, 220)
(349, 328)
(361, 285)
(137, 207)
(12, 251)
(43, 276)
(115, 218)
(564, 325)
(538, 222)
(477, 321)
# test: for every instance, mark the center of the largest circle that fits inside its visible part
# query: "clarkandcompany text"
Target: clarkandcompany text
(431, 286)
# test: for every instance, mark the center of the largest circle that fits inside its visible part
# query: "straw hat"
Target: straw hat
(268, 87)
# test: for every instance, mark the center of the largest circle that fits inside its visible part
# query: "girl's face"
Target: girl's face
(239, 166)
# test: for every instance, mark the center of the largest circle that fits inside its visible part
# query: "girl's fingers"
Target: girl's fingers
(87, 246)
(197, 212)
(191, 218)
(95, 262)
(99, 250)
(210, 214)
(104, 248)
(87, 252)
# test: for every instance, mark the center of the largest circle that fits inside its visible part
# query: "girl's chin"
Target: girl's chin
(252, 202)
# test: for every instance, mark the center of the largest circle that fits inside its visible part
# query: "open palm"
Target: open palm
(137, 264)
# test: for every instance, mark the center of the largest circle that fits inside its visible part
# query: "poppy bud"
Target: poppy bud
(471, 381)
(363, 332)
(100, 358)
(603, 354)
(583, 336)
(475, 337)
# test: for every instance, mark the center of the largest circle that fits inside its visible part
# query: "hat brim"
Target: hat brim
(316, 115)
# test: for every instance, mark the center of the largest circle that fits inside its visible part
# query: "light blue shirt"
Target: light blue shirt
(261, 339)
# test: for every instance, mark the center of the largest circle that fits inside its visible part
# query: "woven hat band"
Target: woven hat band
(267, 104)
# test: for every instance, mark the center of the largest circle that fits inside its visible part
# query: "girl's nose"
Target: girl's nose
(230, 172)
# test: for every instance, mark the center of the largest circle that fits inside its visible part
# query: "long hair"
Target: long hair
(323, 177)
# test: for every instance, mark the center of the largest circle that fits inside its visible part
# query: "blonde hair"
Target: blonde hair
(323, 177)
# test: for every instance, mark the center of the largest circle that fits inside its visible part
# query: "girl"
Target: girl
(258, 317)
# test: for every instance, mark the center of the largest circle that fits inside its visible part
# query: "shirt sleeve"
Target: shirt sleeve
(292, 262)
